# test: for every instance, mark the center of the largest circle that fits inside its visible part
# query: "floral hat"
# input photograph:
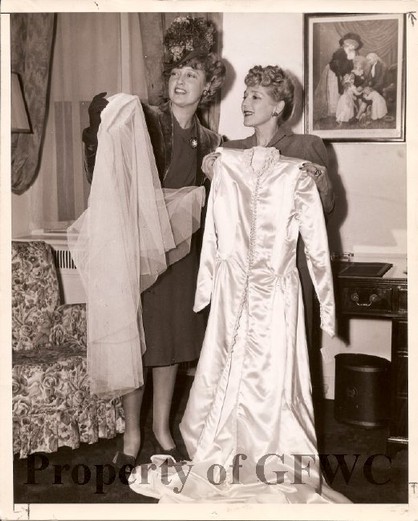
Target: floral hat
(187, 37)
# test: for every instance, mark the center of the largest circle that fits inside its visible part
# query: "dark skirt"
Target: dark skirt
(173, 332)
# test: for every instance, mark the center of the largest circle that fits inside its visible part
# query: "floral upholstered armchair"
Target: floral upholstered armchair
(52, 403)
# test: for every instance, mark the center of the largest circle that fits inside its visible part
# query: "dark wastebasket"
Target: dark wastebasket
(362, 393)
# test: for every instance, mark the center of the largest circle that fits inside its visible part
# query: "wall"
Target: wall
(257, 39)
(21, 213)
(369, 178)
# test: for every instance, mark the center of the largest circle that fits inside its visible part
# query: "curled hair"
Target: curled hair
(214, 70)
(278, 84)
(375, 57)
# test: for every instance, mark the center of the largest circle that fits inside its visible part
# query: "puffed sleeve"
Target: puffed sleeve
(209, 248)
(313, 231)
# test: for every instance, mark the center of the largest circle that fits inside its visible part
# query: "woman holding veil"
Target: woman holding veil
(173, 332)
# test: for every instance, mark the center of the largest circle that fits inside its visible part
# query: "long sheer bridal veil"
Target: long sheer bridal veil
(131, 231)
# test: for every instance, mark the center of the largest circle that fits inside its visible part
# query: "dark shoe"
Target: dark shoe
(124, 463)
(175, 453)
(121, 459)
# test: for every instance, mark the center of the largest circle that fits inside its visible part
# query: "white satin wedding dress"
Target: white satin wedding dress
(251, 393)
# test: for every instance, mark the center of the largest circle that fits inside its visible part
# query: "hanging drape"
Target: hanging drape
(93, 53)
(379, 36)
(31, 47)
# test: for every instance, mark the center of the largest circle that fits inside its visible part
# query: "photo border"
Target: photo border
(11, 510)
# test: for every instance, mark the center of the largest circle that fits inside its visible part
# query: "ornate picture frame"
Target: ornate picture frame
(355, 76)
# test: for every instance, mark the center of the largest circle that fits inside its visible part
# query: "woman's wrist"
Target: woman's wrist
(89, 137)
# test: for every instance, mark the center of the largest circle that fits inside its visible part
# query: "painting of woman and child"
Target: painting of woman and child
(354, 77)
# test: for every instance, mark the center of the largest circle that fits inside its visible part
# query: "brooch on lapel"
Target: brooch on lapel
(193, 142)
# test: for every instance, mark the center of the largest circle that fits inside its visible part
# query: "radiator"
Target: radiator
(63, 259)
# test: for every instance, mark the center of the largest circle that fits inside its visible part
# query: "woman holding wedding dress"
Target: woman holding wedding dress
(249, 424)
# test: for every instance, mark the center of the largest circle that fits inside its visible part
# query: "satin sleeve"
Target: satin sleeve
(209, 250)
(313, 231)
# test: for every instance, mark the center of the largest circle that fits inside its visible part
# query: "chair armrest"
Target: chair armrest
(69, 325)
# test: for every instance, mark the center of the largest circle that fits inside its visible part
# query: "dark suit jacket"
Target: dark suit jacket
(301, 146)
(159, 122)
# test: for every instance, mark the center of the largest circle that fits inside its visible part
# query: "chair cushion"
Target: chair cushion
(69, 325)
(35, 293)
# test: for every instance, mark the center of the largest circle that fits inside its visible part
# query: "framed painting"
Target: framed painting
(355, 76)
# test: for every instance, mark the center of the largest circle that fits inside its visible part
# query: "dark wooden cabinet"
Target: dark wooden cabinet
(383, 297)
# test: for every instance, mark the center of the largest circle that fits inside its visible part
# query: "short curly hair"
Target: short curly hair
(278, 84)
(214, 69)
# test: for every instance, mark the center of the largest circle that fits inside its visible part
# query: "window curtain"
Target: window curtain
(31, 47)
(94, 52)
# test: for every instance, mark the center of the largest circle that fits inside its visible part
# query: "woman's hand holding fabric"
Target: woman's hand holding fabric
(207, 164)
(96, 106)
(319, 174)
